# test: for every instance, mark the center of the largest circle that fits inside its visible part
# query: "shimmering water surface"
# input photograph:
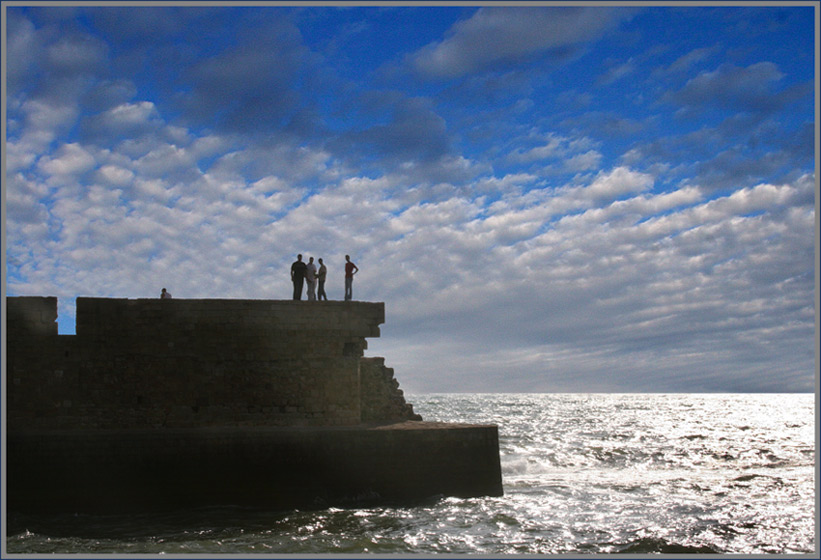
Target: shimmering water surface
(582, 474)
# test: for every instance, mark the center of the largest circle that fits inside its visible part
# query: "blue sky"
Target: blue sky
(546, 198)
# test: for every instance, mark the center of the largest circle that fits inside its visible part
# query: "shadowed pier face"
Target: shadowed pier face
(157, 404)
(189, 363)
(272, 467)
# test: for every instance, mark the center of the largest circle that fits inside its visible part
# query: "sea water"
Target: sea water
(582, 474)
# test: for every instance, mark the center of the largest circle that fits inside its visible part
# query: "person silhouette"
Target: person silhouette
(298, 276)
(350, 270)
(310, 276)
(320, 276)
(165, 294)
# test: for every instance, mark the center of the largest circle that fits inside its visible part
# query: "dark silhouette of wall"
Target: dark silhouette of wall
(185, 363)
(163, 404)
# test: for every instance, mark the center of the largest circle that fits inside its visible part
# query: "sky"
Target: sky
(547, 198)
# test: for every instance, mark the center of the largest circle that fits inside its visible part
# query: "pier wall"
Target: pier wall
(193, 363)
(166, 404)
(277, 468)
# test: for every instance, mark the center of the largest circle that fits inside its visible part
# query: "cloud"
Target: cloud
(75, 54)
(115, 176)
(51, 62)
(739, 151)
(502, 35)
(126, 119)
(23, 47)
(518, 244)
(617, 182)
(414, 132)
(583, 162)
(567, 154)
(628, 287)
(611, 124)
(109, 93)
(23, 201)
(249, 87)
(35, 126)
(739, 89)
(69, 161)
(492, 89)
(148, 24)
(617, 72)
(686, 61)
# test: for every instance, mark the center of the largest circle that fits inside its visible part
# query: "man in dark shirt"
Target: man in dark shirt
(298, 276)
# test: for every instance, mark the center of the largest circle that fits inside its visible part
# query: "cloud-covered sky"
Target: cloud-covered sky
(546, 198)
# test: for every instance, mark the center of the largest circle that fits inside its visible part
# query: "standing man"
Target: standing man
(350, 270)
(310, 276)
(298, 276)
(323, 271)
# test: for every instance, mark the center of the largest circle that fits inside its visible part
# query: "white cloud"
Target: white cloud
(572, 154)
(583, 162)
(552, 149)
(511, 182)
(49, 117)
(41, 123)
(69, 161)
(164, 160)
(617, 182)
(127, 119)
(114, 175)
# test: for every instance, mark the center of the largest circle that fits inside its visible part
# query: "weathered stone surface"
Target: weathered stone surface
(382, 399)
(188, 363)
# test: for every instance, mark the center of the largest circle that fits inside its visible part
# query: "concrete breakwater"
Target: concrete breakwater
(161, 404)
(278, 468)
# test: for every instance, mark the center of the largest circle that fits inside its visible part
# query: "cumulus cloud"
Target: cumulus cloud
(116, 176)
(68, 162)
(24, 202)
(40, 123)
(617, 182)
(127, 119)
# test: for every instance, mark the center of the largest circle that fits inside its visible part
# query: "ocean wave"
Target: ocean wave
(649, 545)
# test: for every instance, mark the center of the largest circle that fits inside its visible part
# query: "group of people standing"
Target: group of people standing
(302, 273)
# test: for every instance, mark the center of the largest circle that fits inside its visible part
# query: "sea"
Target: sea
(583, 474)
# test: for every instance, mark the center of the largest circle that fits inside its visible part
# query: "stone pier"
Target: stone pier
(165, 404)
